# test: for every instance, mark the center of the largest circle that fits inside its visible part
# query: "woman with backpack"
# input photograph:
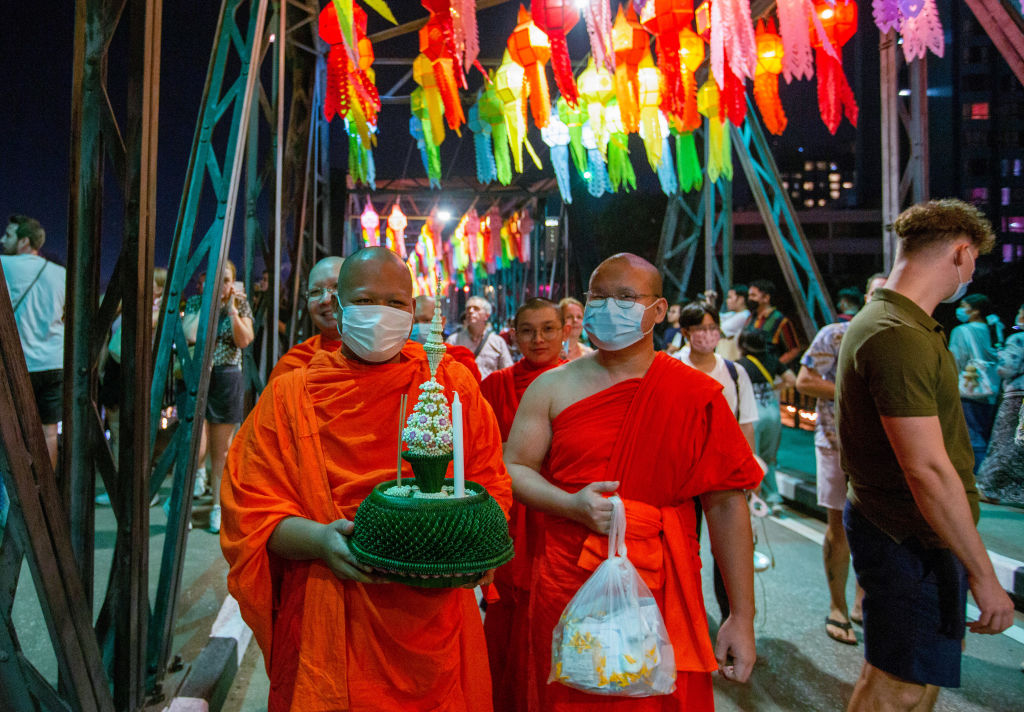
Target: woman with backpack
(974, 344)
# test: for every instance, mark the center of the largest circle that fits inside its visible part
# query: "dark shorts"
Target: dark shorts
(225, 402)
(48, 387)
(914, 604)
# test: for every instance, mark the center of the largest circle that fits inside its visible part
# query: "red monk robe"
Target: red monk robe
(316, 443)
(505, 622)
(667, 438)
(302, 353)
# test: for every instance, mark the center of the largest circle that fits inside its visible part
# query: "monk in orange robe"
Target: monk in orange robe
(421, 327)
(333, 636)
(322, 286)
(540, 331)
(626, 419)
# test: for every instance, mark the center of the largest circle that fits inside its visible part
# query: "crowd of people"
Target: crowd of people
(675, 408)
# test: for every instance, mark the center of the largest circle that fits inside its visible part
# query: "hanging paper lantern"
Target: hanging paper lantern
(397, 223)
(508, 82)
(766, 83)
(597, 87)
(556, 136)
(733, 95)
(370, 222)
(691, 56)
(486, 168)
(702, 19)
(620, 170)
(436, 51)
(719, 158)
(492, 112)
(688, 169)
(556, 18)
(923, 32)
(526, 226)
(349, 92)
(835, 97)
(649, 79)
(598, 17)
(797, 58)
(463, 14)
(433, 103)
(630, 43)
(574, 118)
(732, 35)
(441, 15)
(596, 175)
(529, 48)
(665, 19)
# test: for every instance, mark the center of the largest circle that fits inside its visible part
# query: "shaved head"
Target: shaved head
(424, 308)
(370, 267)
(325, 269)
(632, 271)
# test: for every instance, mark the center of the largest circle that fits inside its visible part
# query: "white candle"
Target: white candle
(460, 469)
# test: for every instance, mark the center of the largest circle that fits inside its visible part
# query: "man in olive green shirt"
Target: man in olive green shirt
(913, 506)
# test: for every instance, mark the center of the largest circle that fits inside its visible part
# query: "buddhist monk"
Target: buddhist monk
(319, 439)
(539, 333)
(323, 280)
(636, 422)
(421, 328)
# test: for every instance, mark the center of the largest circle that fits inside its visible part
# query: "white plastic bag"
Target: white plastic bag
(611, 638)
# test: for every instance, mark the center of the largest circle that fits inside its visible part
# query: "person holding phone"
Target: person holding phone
(224, 403)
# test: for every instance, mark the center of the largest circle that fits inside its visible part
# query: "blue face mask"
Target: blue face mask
(961, 315)
(420, 331)
(961, 289)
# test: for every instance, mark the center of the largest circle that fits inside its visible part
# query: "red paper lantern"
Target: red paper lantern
(434, 47)
(556, 18)
(702, 15)
(530, 49)
(348, 81)
(665, 19)
(442, 11)
(835, 97)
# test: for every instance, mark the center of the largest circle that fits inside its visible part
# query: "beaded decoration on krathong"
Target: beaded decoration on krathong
(435, 532)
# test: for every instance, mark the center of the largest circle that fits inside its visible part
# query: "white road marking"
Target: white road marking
(1014, 632)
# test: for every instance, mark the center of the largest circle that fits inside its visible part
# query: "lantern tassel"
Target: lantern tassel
(687, 163)
(449, 92)
(667, 169)
(835, 97)
(560, 160)
(540, 94)
(766, 94)
(598, 184)
(690, 119)
(620, 170)
(502, 161)
(626, 91)
(562, 67)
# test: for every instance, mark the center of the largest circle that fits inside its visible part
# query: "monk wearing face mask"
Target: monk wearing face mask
(540, 331)
(633, 421)
(318, 441)
(320, 293)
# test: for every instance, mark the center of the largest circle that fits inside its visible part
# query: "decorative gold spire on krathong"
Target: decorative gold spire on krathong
(435, 347)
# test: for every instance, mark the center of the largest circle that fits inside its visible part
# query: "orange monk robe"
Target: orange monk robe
(302, 353)
(466, 358)
(314, 446)
(505, 622)
(667, 438)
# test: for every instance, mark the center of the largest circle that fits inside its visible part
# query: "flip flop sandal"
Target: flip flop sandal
(857, 621)
(847, 626)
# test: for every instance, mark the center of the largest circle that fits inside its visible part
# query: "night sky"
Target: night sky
(36, 59)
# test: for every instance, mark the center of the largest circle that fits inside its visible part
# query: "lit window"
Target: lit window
(833, 176)
(1016, 166)
(979, 110)
(832, 166)
(809, 166)
(809, 203)
(808, 185)
(1004, 195)
(821, 166)
(1015, 224)
(979, 194)
(847, 184)
(821, 202)
(785, 184)
(798, 176)
(834, 194)
(795, 194)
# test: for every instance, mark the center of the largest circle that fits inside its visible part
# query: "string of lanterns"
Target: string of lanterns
(627, 86)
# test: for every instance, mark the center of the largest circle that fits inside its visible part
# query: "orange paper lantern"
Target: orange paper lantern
(444, 66)
(766, 80)
(630, 43)
(530, 49)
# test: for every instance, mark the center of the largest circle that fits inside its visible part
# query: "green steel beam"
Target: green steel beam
(813, 305)
(681, 230)
(228, 97)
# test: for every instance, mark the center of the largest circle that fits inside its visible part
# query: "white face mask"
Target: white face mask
(612, 327)
(374, 333)
(961, 289)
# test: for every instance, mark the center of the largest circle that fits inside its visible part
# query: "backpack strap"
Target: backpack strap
(730, 366)
(29, 289)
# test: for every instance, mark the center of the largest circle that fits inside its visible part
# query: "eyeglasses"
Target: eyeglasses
(623, 301)
(547, 333)
(318, 293)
